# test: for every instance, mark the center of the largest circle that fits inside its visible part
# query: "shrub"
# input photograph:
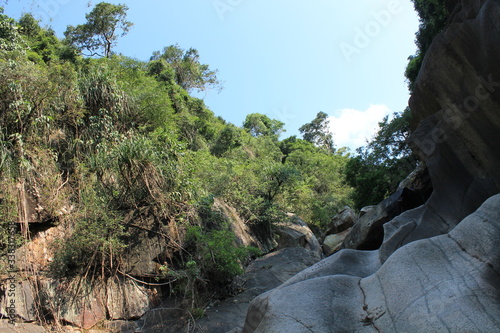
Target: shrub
(94, 245)
(217, 255)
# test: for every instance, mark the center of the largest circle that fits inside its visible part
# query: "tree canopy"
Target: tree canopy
(184, 66)
(105, 23)
(318, 132)
(381, 165)
(9, 36)
(259, 124)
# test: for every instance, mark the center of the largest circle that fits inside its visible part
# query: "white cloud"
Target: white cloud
(351, 128)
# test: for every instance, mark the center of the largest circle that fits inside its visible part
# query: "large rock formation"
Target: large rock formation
(438, 268)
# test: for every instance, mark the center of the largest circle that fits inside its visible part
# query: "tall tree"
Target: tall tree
(318, 132)
(380, 166)
(259, 124)
(10, 39)
(189, 73)
(28, 25)
(105, 23)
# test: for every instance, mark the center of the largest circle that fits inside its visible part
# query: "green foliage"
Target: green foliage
(217, 255)
(320, 191)
(228, 139)
(276, 178)
(433, 16)
(380, 166)
(140, 100)
(318, 132)
(185, 67)
(114, 138)
(10, 40)
(96, 243)
(100, 90)
(34, 98)
(105, 23)
(258, 124)
(29, 26)
(43, 43)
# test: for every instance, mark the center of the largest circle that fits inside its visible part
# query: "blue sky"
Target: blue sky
(288, 59)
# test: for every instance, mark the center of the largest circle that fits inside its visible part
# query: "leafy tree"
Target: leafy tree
(276, 178)
(228, 139)
(318, 132)
(190, 74)
(105, 23)
(218, 256)
(380, 166)
(258, 124)
(29, 26)
(10, 40)
(321, 190)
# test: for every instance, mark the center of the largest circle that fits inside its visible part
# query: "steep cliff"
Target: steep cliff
(438, 268)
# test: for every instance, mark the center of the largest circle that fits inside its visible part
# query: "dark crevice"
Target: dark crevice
(298, 321)
(369, 318)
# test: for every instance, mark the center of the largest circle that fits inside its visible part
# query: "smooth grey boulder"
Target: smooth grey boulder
(366, 210)
(448, 283)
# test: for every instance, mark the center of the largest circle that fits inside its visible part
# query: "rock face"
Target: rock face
(115, 299)
(438, 268)
(368, 232)
(296, 233)
(242, 232)
(344, 220)
(24, 300)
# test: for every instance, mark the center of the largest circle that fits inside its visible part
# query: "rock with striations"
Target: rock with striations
(85, 305)
(438, 266)
(22, 295)
(447, 283)
(344, 220)
(296, 233)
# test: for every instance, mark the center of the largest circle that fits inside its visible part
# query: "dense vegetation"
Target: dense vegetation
(100, 143)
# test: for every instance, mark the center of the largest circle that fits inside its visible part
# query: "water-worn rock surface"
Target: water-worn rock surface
(438, 268)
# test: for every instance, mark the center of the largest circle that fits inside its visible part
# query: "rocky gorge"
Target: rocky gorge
(437, 268)
(423, 260)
